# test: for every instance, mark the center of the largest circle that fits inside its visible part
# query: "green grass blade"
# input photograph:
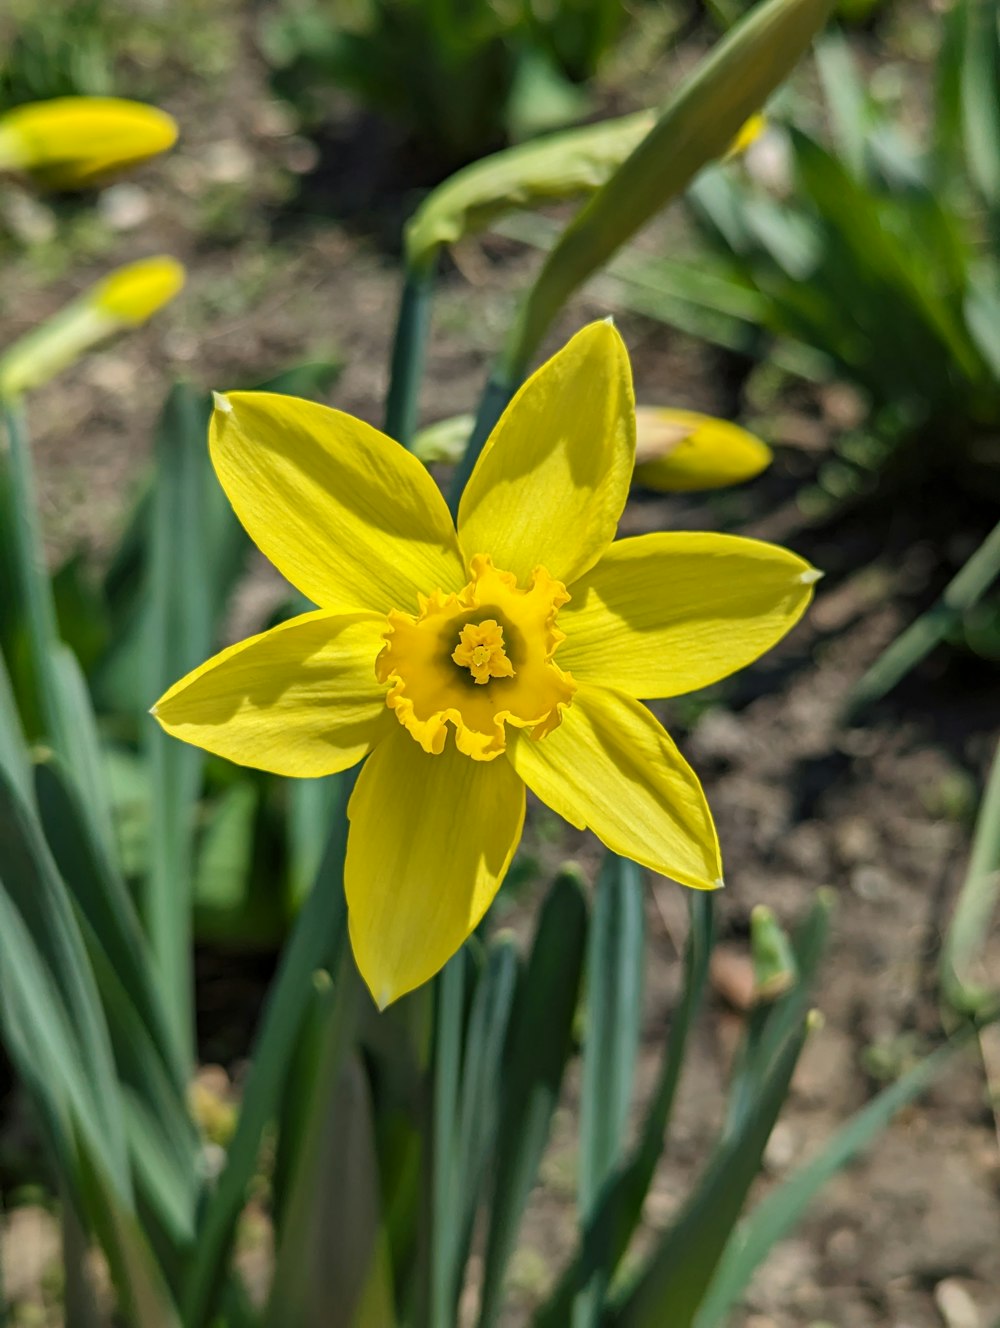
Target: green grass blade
(25, 553)
(776, 1215)
(37, 894)
(613, 1013)
(13, 751)
(962, 593)
(771, 1023)
(332, 1268)
(697, 126)
(445, 1180)
(968, 931)
(44, 1046)
(311, 805)
(180, 636)
(846, 99)
(538, 1046)
(316, 941)
(673, 1281)
(479, 1107)
(981, 96)
(606, 1236)
(103, 899)
(409, 352)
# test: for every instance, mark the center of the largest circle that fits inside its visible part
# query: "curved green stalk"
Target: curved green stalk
(408, 354)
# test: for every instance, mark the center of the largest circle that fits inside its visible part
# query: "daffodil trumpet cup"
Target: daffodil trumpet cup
(465, 662)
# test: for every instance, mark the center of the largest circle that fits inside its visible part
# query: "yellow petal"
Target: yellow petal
(430, 842)
(301, 699)
(70, 142)
(346, 514)
(664, 614)
(553, 477)
(125, 298)
(612, 768)
(677, 451)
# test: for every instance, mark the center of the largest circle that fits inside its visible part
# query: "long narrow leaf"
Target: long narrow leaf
(673, 1282)
(180, 630)
(698, 124)
(977, 901)
(317, 940)
(606, 1236)
(537, 1048)
(776, 1215)
(613, 1017)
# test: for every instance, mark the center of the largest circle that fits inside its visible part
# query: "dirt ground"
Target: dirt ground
(908, 1237)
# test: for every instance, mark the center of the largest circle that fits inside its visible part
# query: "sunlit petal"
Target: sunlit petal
(612, 768)
(553, 477)
(431, 839)
(666, 613)
(301, 699)
(346, 514)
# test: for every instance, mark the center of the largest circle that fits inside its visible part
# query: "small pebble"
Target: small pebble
(958, 1309)
(227, 162)
(125, 206)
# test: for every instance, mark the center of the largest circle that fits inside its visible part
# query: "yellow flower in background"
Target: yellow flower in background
(126, 298)
(469, 664)
(748, 135)
(74, 142)
(678, 451)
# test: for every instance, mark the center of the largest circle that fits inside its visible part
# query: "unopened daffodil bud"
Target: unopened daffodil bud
(774, 966)
(126, 298)
(74, 142)
(678, 451)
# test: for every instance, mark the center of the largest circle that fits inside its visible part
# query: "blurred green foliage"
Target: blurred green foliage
(110, 47)
(877, 260)
(460, 77)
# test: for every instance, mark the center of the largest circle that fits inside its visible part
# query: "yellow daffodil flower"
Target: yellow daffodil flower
(125, 298)
(468, 664)
(74, 142)
(678, 451)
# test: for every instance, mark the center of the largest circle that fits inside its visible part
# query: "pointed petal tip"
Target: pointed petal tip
(810, 576)
(719, 883)
(222, 403)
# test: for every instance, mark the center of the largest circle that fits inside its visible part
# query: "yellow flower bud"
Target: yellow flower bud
(125, 298)
(748, 135)
(74, 142)
(681, 450)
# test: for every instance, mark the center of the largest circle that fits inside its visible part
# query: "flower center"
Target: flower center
(501, 638)
(480, 650)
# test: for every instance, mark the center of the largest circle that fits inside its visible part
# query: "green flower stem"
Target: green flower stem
(608, 1231)
(499, 390)
(317, 941)
(27, 556)
(920, 638)
(970, 923)
(444, 1182)
(408, 354)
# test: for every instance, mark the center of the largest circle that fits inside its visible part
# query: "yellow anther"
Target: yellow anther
(480, 650)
